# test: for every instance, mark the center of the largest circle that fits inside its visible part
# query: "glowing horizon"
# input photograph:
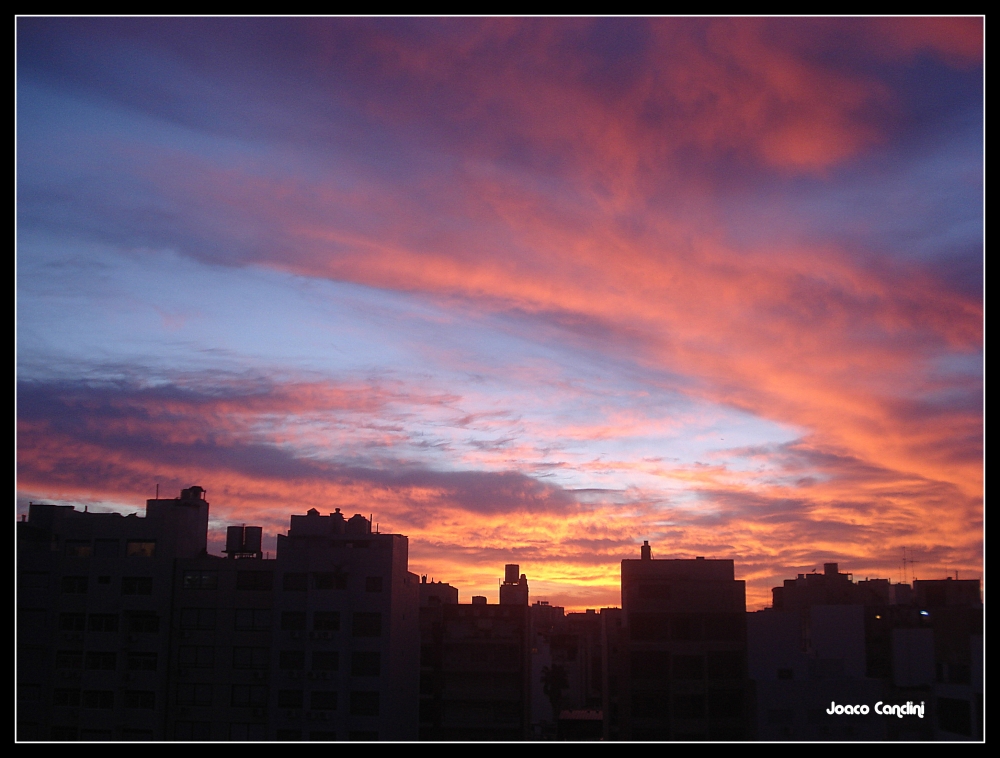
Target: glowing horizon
(528, 290)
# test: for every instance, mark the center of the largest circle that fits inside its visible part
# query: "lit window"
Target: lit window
(140, 548)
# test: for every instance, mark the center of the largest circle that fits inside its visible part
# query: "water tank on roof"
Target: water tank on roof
(358, 525)
(337, 522)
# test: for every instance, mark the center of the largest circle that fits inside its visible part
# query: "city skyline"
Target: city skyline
(526, 290)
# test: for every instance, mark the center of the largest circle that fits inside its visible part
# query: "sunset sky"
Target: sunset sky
(528, 290)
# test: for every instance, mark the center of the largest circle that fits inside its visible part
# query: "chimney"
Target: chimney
(646, 552)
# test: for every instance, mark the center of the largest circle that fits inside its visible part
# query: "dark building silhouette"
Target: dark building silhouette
(566, 673)
(614, 653)
(830, 639)
(130, 630)
(681, 672)
(94, 598)
(474, 666)
(437, 593)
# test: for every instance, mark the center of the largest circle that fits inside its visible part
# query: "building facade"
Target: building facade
(682, 672)
(129, 629)
(831, 639)
(475, 665)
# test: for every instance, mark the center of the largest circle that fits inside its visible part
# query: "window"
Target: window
(330, 580)
(373, 584)
(200, 731)
(254, 696)
(251, 657)
(293, 621)
(200, 580)
(140, 548)
(103, 622)
(99, 661)
(139, 699)
(365, 664)
(243, 732)
(323, 700)
(325, 660)
(295, 582)
(63, 733)
(364, 703)
(137, 585)
(74, 585)
(144, 622)
(367, 625)
(259, 581)
(322, 736)
(326, 621)
(69, 698)
(252, 618)
(141, 662)
(289, 698)
(196, 656)
(288, 735)
(292, 659)
(69, 659)
(77, 548)
(104, 580)
(72, 622)
(102, 699)
(198, 618)
(194, 694)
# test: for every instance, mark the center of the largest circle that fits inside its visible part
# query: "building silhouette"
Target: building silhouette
(566, 674)
(681, 666)
(130, 630)
(828, 638)
(475, 665)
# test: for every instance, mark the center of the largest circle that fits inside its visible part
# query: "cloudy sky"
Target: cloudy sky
(528, 291)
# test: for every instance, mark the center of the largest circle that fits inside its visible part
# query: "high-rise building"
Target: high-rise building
(682, 672)
(566, 674)
(831, 639)
(94, 599)
(475, 665)
(129, 629)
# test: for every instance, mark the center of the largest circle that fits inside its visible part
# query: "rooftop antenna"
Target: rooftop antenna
(911, 561)
(157, 490)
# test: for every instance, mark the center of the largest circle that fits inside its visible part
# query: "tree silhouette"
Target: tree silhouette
(554, 681)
